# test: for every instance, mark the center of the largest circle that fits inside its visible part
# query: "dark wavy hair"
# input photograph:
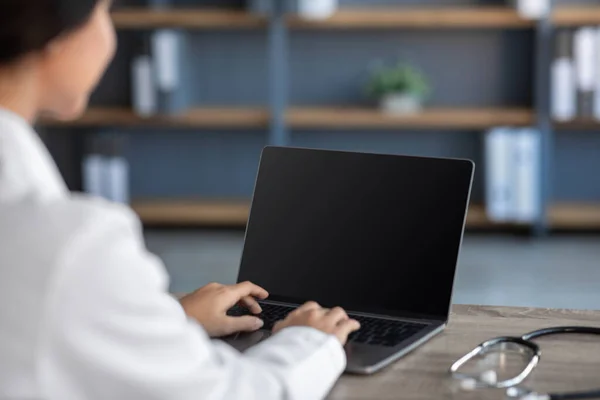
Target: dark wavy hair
(29, 25)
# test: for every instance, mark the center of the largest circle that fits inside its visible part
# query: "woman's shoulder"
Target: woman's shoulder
(80, 212)
(50, 226)
(38, 239)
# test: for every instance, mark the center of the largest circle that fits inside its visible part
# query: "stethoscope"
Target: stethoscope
(489, 379)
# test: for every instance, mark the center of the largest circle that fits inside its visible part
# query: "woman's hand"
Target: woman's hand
(334, 322)
(209, 306)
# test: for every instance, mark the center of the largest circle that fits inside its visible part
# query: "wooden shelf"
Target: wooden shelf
(305, 118)
(562, 216)
(443, 118)
(231, 213)
(575, 216)
(234, 213)
(587, 124)
(191, 18)
(193, 213)
(419, 17)
(477, 218)
(576, 16)
(346, 18)
(195, 118)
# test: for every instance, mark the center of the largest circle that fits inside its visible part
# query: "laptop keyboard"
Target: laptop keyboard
(383, 332)
(271, 313)
(373, 331)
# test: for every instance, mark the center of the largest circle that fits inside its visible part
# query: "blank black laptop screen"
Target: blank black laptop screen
(372, 233)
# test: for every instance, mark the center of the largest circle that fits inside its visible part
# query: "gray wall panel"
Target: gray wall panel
(194, 164)
(466, 68)
(219, 68)
(228, 68)
(577, 166)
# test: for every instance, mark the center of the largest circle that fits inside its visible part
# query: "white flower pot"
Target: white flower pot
(317, 9)
(400, 103)
(532, 9)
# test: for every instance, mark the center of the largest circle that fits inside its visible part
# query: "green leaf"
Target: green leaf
(401, 78)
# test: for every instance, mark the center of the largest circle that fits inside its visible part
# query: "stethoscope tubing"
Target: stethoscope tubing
(578, 330)
(526, 339)
(592, 394)
(575, 330)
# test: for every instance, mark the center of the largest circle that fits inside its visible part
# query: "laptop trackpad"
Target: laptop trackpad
(243, 341)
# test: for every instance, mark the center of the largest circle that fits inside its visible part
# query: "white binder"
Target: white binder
(499, 173)
(527, 156)
(597, 77)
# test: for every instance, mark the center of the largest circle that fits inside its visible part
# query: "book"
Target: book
(584, 48)
(597, 80)
(143, 91)
(499, 174)
(564, 92)
(526, 183)
(168, 63)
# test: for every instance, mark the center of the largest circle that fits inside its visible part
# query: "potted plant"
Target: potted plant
(400, 89)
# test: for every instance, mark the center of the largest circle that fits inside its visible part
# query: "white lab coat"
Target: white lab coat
(85, 313)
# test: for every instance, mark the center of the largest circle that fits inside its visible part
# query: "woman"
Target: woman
(84, 308)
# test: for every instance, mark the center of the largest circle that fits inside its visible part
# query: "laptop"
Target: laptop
(378, 235)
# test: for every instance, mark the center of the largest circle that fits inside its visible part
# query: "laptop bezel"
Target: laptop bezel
(401, 314)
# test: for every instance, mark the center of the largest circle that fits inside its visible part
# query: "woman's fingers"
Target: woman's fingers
(311, 305)
(245, 289)
(240, 294)
(246, 323)
(348, 326)
(251, 304)
(345, 328)
(337, 315)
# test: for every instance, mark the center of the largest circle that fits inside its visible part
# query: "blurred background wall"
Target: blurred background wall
(239, 75)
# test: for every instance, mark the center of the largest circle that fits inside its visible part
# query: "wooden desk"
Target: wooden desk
(568, 363)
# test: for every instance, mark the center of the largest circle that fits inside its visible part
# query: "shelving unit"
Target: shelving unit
(185, 18)
(229, 213)
(575, 216)
(444, 118)
(280, 119)
(578, 125)
(572, 16)
(307, 118)
(224, 213)
(561, 216)
(209, 117)
(354, 18)
(418, 17)
(234, 214)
